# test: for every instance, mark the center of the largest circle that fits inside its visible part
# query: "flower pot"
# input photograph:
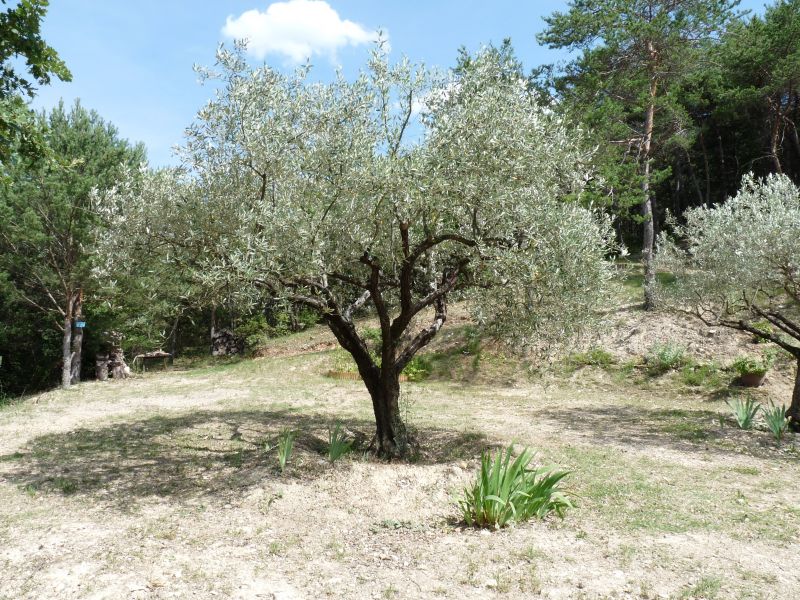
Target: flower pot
(750, 379)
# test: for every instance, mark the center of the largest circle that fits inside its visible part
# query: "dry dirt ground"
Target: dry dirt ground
(163, 486)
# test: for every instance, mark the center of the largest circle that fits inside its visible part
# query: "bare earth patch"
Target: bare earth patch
(163, 487)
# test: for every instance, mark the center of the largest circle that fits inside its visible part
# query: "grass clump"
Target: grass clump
(285, 446)
(509, 491)
(701, 375)
(745, 411)
(777, 423)
(663, 358)
(338, 444)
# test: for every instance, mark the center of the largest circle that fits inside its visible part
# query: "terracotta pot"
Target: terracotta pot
(751, 379)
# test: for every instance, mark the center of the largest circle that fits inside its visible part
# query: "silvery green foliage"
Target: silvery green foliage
(327, 193)
(739, 262)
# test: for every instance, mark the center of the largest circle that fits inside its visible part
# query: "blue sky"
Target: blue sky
(132, 61)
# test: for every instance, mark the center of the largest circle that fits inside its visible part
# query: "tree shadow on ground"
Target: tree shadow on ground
(685, 430)
(201, 454)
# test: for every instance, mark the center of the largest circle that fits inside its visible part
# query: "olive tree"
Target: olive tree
(397, 192)
(738, 264)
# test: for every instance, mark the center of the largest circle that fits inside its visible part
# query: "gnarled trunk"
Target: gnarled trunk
(793, 414)
(391, 436)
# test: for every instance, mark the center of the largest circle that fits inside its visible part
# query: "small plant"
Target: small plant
(235, 460)
(509, 491)
(67, 486)
(775, 417)
(663, 358)
(749, 365)
(338, 444)
(285, 445)
(745, 411)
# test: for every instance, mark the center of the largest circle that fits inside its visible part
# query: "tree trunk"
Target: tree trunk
(707, 167)
(391, 436)
(173, 337)
(66, 351)
(647, 207)
(77, 342)
(774, 138)
(213, 327)
(793, 414)
(101, 367)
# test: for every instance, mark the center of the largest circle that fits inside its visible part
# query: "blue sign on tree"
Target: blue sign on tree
(80, 324)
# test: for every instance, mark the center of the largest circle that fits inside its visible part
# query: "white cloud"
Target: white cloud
(296, 29)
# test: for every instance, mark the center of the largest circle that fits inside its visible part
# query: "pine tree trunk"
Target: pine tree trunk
(647, 209)
(213, 327)
(775, 135)
(793, 414)
(66, 351)
(77, 342)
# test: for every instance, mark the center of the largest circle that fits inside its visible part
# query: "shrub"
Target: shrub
(338, 444)
(507, 491)
(775, 417)
(418, 368)
(749, 365)
(472, 338)
(285, 445)
(280, 321)
(745, 411)
(596, 357)
(665, 357)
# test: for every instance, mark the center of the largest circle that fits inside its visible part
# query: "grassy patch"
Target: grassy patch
(595, 357)
(699, 375)
(707, 588)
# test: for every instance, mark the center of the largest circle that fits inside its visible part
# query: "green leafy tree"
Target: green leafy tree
(47, 223)
(21, 45)
(738, 265)
(761, 62)
(324, 200)
(634, 52)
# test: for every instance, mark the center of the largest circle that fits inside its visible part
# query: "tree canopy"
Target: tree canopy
(21, 42)
(336, 195)
(634, 54)
(48, 225)
(738, 265)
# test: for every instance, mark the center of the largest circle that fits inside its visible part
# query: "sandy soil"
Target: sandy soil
(162, 487)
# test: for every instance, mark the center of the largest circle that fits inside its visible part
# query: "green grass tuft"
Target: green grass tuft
(510, 491)
(338, 444)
